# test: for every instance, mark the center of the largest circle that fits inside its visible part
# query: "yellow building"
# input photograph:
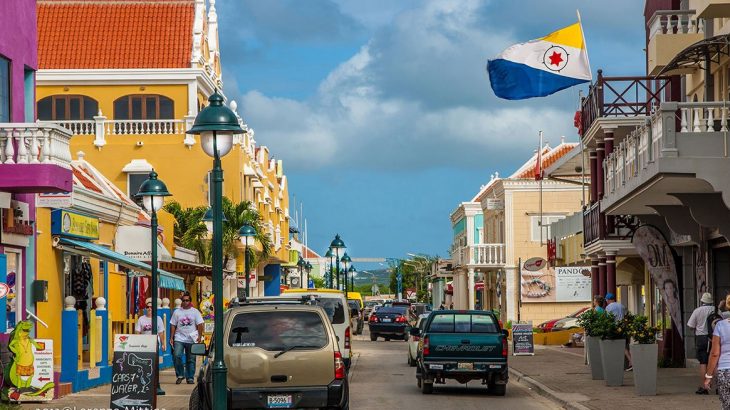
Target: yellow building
(129, 99)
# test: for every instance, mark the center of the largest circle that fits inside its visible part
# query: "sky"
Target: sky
(382, 111)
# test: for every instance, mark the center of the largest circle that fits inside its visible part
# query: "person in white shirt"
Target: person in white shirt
(144, 325)
(698, 322)
(186, 328)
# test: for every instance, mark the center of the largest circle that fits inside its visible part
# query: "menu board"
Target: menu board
(133, 373)
(561, 284)
(523, 343)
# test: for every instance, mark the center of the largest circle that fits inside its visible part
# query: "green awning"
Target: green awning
(167, 279)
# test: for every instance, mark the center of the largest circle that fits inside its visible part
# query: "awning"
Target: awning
(167, 279)
(694, 56)
(181, 266)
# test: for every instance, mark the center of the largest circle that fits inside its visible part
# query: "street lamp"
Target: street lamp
(152, 191)
(328, 255)
(308, 269)
(345, 261)
(216, 125)
(301, 263)
(247, 235)
(352, 278)
(337, 244)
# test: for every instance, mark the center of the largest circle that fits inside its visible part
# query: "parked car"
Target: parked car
(390, 323)
(462, 345)
(369, 306)
(548, 326)
(569, 322)
(356, 317)
(421, 308)
(413, 341)
(278, 356)
(335, 305)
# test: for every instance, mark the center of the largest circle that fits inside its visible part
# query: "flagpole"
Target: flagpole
(585, 44)
(540, 173)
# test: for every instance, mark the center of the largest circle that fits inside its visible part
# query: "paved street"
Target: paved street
(380, 379)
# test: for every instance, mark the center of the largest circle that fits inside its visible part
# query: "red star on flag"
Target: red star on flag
(556, 58)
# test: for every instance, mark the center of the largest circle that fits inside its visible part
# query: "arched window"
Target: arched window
(67, 107)
(143, 107)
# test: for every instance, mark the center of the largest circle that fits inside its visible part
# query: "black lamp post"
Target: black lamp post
(308, 269)
(216, 125)
(301, 263)
(247, 235)
(329, 255)
(345, 262)
(152, 191)
(352, 271)
(337, 244)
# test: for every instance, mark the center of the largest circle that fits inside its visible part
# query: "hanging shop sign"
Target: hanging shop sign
(534, 264)
(659, 259)
(133, 373)
(72, 224)
(29, 376)
(562, 284)
(54, 200)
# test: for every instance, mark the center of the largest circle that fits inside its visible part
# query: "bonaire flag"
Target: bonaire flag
(541, 67)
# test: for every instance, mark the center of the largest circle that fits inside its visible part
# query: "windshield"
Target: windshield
(278, 330)
(463, 323)
(353, 304)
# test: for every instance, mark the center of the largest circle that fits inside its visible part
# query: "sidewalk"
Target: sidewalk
(559, 374)
(177, 397)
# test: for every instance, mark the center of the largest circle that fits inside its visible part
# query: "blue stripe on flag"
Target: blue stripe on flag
(515, 81)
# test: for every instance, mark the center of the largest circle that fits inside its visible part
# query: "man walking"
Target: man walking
(698, 322)
(186, 328)
(619, 311)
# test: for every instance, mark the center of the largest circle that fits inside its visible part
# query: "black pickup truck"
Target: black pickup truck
(462, 345)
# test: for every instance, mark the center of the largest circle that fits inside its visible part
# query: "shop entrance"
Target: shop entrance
(14, 278)
(78, 282)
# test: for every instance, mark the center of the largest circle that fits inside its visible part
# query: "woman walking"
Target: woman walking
(720, 360)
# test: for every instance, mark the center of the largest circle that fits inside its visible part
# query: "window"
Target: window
(143, 107)
(278, 330)
(134, 181)
(463, 323)
(29, 94)
(535, 226)
(67, 107)
(333, 307)
(4, 89)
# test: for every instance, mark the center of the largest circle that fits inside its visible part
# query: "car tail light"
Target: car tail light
(504, 346)
(373, 319)
(339, 366)
(400, 319)
(347, 338)
(426, 347)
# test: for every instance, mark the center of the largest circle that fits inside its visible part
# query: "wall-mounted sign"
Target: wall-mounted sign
(54, 200)
(494, 204)
(74, 225)
(4, 290)
(534, 264)
(562, 284)
(134, 242)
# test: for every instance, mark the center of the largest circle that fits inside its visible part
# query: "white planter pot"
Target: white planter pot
(612, 356)
(594, 357)
(644, 360)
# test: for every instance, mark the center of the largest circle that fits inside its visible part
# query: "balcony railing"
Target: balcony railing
(100, 127)
(35, 143)
(599, 226)
(487, 254)
(615, 97)
(675, 22)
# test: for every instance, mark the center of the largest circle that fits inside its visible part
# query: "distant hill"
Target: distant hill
(382, 277)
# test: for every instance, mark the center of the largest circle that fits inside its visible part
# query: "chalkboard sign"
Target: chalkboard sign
(133, 374)
(522, 341)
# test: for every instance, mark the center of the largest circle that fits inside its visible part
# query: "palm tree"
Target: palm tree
(189, 230)
(237, 214)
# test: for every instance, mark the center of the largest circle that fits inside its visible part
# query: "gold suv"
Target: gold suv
(278, 357)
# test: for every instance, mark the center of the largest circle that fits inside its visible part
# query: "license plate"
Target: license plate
(386, 320)
(495, 366)
(466, 366)
(436, 367)
(280, 401)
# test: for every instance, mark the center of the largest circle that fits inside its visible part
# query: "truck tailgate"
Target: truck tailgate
(465, 346)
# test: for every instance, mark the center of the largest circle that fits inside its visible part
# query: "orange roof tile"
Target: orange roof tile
(548, 158)
(85, 181)
(90, 34)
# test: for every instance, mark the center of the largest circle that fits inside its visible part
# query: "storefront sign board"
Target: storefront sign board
(54, 200)
(74, 225)
(41, 382)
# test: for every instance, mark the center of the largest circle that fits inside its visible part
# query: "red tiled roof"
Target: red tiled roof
(90, 34)
(85, 181)
(548, 158)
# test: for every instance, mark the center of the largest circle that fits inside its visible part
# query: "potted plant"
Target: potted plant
(644, 353)
(588, 321)
(614, 334)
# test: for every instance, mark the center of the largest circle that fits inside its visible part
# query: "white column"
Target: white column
(512, 287)
(470, 289)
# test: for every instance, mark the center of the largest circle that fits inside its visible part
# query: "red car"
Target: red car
(548, 326)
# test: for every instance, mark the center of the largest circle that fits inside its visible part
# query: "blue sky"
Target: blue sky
(382, 111)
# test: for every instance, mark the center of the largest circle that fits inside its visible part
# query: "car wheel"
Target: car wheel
(195, 401)
(387, 339)
(405, 337)
(426, 387)
(497, 389)
(373, 337)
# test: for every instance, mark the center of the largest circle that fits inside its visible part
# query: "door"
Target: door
(14, 278)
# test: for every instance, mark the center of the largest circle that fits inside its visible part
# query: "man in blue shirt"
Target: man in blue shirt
(618, 311)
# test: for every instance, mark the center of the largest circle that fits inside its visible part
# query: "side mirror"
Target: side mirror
(198, 349)
(415, 331)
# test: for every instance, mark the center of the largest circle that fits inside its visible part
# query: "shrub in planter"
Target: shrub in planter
(644, 354)
(614, 334)
(589, 322)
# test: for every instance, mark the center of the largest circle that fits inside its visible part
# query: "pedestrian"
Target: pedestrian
(186, 328)
(723, 310)
(144, 325)
(598, 303)
(698, 321)
(451, 306)
(442, 307)
(619, 311)
(719, 361)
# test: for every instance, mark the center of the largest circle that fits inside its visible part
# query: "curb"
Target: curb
(545, 391)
